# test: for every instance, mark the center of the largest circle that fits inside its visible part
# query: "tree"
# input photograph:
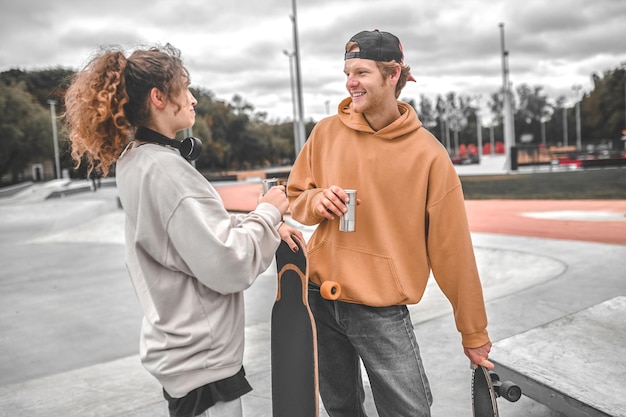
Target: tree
(533, 108)
(25, 130)
(455, 117)
(44, 85)
(211, 117)
(603, 109)
(235, 136)
(427, 112)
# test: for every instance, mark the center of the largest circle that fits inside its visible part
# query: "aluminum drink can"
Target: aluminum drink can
(267, 184)
(347, 222)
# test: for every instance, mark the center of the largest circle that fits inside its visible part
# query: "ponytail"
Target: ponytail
(95, 116)
(108, 100)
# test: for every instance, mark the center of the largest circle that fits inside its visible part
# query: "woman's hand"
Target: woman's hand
(289, 234)
(276, 196)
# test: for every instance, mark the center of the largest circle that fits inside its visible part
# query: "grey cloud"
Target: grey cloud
(235, 47)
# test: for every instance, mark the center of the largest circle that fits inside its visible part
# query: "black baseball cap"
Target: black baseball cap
(378, 46)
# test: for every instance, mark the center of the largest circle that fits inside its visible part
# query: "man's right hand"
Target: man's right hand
(331, 202)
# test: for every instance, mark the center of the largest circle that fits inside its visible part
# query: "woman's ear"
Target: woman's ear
(157, 98)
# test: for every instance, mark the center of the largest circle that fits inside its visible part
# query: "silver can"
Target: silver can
(347, 222)
(269, 183)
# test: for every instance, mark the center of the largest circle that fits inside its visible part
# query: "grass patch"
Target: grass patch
(597, 184)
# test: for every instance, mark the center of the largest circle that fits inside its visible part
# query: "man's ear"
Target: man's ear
(157, 98)
(395, 77)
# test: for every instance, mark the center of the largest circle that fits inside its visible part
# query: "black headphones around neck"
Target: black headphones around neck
(189, 147)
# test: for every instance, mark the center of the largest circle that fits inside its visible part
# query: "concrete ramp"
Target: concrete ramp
(574, 365)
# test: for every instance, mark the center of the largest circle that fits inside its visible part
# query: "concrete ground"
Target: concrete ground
(69, 319)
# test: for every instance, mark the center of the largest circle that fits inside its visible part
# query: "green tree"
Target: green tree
(603, 108)
(213, 150)
(533, 108)
(44, 85)
(25, 130)
(426, 111)
(235, 136)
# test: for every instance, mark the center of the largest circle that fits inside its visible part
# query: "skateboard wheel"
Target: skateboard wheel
(330, 290)
(510, 391)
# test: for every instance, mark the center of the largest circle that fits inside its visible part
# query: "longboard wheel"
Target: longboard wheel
(330, 290)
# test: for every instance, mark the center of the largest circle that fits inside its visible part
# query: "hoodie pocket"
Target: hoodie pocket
(365, 278)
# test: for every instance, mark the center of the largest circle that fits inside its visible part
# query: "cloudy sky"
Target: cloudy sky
(238, 46)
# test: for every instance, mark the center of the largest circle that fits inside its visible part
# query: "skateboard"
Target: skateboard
(293, 337)
(486, 387)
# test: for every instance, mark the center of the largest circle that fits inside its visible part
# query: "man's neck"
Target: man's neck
(381, 119)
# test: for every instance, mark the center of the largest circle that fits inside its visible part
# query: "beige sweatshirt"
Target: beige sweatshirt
(189, 261)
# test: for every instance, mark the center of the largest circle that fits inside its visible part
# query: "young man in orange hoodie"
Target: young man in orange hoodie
(410, 220)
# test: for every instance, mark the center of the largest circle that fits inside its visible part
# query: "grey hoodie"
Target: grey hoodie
(189, 261)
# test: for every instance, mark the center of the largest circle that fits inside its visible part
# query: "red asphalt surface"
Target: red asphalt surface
(508, 217)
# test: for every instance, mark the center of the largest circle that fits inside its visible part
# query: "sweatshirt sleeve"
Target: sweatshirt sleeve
(451, 255)
(302, 188)
(225, 252)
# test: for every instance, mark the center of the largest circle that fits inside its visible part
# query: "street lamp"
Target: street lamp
(509, 127)
(298, 82)
(565, 135)
(54, 137)
(577, 89)
(479, 128)
(296, 131)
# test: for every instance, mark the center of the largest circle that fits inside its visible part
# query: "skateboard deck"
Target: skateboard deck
(293, 337)
(483, 394)
(486, 388)
(293, 340)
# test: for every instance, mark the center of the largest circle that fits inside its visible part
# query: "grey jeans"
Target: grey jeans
(384, 340)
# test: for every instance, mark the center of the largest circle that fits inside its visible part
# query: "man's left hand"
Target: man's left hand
(480, 355)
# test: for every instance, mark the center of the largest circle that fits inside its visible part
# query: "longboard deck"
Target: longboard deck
(483, 394)
(293, 340)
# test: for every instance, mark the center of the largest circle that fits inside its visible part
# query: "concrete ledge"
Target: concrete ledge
(14, 189)
(574, 365)
(68, 191)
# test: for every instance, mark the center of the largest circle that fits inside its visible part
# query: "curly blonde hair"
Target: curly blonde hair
(108, 100)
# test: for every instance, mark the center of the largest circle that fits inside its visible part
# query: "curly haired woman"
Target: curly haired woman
(188, 258)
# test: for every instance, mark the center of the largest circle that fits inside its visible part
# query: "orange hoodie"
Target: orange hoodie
(411, 218)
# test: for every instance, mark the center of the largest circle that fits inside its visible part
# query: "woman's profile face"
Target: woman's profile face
(180, 109)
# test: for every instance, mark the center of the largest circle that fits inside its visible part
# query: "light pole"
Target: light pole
(565, 135)
(577, 89)
(446, 126)
(296, 51)
(442, 128)
(479, 128)
(296, 131)
(54, 137)
(624, 131)
(509, 129)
